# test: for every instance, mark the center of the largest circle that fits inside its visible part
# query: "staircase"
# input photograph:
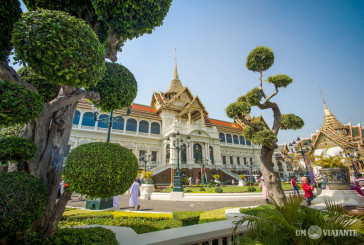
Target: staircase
(160, 168)
(235, 176)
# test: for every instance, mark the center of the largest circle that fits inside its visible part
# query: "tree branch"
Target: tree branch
(272, 95)
(261, 84)
(112, 42)
(8, 73)
(247, 122)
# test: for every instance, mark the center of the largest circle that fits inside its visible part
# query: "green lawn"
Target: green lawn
(226, 189)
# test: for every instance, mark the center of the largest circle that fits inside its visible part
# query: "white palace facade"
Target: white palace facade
(147, 132)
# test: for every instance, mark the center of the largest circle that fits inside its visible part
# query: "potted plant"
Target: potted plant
(334, 171)
(242, 180)
(148, 177)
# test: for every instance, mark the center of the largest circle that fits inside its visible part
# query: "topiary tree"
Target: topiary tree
(100, 169)
(254, 129)
(65, 50)
(22, 201)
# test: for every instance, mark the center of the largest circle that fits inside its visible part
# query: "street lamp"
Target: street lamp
(144, 159)
(109, 120)
(177, 186)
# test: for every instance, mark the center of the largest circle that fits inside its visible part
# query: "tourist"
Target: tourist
(115, 202)
(294, 186)
(264, 188)
(357, 188)
(190, 180)
(134, 194)
(197, 181)
(307, 188)
(232, 181)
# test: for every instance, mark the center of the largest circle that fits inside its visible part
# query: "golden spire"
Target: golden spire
(175, 75)
(176, 84)
(329, 118)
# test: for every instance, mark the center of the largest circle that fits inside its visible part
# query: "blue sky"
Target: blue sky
(317, 43)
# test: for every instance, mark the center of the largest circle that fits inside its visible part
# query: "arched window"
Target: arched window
(76, 117)
(183, 154)
(168, 153)
(155, 128)
(222, 137)
(228, 138)
(242, 140)
(197, 153)
(236, 140)
(248, 142)
(211, 154)
(88, 119)
(102, 124)
(131, 125)
(118, 123)
(143, 127)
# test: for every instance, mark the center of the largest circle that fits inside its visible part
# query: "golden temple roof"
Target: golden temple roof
(330, 120)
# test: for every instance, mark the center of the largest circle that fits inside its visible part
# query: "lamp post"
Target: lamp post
(177, 186)
(109, 121)
(144, 159)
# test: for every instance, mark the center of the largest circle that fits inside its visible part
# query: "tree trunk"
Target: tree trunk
(51, 133)
(271, 178)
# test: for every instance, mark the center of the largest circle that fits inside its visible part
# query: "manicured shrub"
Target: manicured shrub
(202, 189)
(219, 190)
(10, 12)
(210, 185)
(188, 191)
(93, 235)
(249, 183)
(59, 47)
(188, 218)
(213, 215)
(23, 197)
(117, 89)
(17, 104)
(100, 169)
(46, 90)
(252, 189)
(13, 148)
(146, 216)
(257, 210)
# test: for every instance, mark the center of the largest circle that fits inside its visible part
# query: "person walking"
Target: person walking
(307, 188)
(134, 194)
(232, 181)
(264, 188)
(294, 186)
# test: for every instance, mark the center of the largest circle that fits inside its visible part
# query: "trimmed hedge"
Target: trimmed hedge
(252, 189)
(146, 216)
(13, 148)
(22, 200)
(17, 104)
(100, 169)
(219, 190)
(188, 218)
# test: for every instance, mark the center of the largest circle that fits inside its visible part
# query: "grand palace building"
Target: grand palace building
(147, 131)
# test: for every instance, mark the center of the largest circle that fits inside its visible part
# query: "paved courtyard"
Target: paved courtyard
(170, 206)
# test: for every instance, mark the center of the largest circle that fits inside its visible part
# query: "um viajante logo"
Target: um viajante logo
(315, 232)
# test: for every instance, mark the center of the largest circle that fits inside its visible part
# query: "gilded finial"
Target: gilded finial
(175, 75)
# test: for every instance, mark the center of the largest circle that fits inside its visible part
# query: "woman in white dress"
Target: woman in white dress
(134, 193)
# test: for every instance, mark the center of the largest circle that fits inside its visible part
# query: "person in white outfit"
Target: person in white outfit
(134, 194)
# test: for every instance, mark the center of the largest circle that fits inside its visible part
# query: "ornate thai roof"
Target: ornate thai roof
(330, 120)
(176, 84)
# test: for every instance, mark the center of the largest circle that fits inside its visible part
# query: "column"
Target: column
(189, 116)
(202, 118)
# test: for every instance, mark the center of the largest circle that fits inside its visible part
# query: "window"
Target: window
(154, 156)
(222, 137)
(228, 138)
(131, 125)
(88, 119)
(236, 140)
(197, 153)
(242, 140)
(245, 163)
(183, 154)
(156, 128)
(102, 124)
(224, 159)
(168, 153)
(211, 154)
(248, 142)
(231, 160)
(76, 117)
(251, 161)
(143, 127)
(238, 160)
(118, 123)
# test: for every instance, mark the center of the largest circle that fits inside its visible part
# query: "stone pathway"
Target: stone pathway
(170, 206)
